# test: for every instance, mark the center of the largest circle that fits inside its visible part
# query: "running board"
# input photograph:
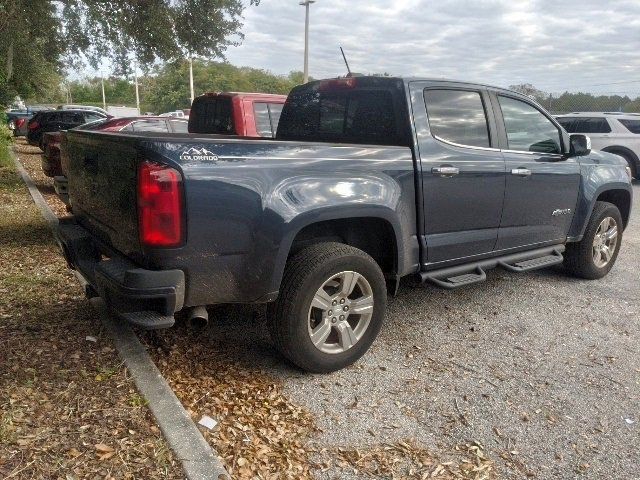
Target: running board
(534, 263)
(462, 275)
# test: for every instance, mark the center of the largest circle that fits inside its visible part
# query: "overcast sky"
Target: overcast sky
(555, 45)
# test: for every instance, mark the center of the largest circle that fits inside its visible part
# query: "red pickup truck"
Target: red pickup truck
(235, 113)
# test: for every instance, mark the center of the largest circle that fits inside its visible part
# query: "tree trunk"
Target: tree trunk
(10, 61)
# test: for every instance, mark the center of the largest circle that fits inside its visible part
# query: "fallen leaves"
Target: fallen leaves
(56, 420)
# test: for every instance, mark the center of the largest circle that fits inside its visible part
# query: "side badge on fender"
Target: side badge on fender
(561, 211)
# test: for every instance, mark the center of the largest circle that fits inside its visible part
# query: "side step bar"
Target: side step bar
(462, 275)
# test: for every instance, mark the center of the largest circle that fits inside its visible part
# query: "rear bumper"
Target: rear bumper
(146, 298)
(51, 166)
(61, 186)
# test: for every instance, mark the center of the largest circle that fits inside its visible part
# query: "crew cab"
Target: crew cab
(368, 180)
(235, 113)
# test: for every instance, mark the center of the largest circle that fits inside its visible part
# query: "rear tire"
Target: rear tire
(314, 323)
(594, 256)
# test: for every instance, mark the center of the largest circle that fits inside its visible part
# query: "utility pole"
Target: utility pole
(135, 77)
(307, 4)
(191, 77)
(104, 98)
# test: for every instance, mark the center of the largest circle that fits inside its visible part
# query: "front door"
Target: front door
(462, 171)
(541, 183)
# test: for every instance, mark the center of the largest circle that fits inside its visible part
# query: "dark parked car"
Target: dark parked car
(369, 179)
(51, 160)
(16, 119)
(55, 120)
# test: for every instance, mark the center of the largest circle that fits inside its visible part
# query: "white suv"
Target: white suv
(611, 132)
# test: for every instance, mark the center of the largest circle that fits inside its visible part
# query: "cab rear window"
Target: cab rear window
(212, 115)
(344, 115)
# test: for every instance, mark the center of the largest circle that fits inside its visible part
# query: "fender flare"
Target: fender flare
(306, 219)
(598, 192)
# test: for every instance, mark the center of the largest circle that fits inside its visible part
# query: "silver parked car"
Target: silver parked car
(612, 132)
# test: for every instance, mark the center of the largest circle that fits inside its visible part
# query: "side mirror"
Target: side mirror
(580, 145)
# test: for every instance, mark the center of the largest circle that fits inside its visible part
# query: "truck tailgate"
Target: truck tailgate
(102, 170)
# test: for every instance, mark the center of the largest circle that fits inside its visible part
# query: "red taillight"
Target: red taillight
(33, 125)
(159, 205)
(20, 122)
(338, 84)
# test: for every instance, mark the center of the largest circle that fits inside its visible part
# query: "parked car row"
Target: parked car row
(241, 114)
(51, 158)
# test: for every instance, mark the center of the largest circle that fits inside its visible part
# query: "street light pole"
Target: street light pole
(307, 4)
(104, 98)
(191, 77)
(135, 76)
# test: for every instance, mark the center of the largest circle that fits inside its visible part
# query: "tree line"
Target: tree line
(166, 88)
(580, 102)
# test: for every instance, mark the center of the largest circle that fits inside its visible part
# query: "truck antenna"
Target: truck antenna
(345, 62)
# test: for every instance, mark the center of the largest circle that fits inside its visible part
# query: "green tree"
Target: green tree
(39, 34)
(168, 88)
(30, 52)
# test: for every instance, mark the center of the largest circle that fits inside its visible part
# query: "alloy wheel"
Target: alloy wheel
(340, 312)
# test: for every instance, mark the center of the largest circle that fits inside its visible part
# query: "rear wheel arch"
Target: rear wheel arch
(376, 235)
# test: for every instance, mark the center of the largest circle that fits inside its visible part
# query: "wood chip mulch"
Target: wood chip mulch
(68, 409)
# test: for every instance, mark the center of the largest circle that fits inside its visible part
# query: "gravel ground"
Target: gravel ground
(542, 369)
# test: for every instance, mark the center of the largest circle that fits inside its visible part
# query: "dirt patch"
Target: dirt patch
(69, 409)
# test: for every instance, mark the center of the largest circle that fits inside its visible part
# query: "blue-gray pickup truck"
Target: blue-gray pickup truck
(368, 180)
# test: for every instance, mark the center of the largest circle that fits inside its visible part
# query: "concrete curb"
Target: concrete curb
(39, 200)
(199, 460)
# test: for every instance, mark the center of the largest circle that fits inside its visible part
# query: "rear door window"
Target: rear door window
(263, 122)
(568, 123)
(150, 126)
(457, 116)
(179, 126)
(632, 125)
(591, 125)
(92, 117)
(528, 130)
(267, 116)
(72, 118)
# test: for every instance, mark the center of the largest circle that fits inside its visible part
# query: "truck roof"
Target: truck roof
(407, 80)
(274, 96)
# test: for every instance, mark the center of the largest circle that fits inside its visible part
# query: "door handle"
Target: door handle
(521, 172)
(445, 171)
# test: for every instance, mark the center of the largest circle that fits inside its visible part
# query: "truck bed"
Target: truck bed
(244, 200)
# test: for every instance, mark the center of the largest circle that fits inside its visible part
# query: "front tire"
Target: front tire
(594, 256)
(330, 309)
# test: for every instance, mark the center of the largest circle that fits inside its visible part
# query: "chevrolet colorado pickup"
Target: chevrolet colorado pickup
(368, 180)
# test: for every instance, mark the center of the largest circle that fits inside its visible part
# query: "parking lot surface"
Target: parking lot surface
(525, 375)
(541, 369)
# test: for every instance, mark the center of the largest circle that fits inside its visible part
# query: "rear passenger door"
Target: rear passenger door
(463, 172)
(541, 183)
